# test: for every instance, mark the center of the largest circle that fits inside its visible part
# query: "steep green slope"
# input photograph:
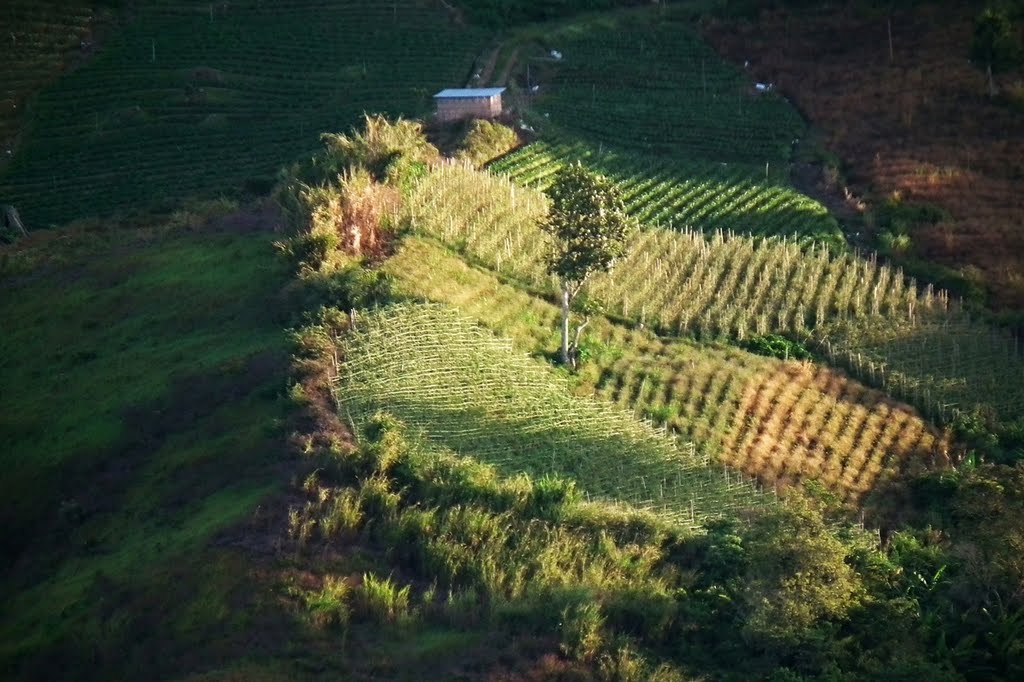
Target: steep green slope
(197, 98)
(141, 415)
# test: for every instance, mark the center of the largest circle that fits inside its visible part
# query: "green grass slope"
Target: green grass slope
(141, 415)
(195, 98)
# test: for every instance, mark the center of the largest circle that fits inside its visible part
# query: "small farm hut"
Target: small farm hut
(456, 103)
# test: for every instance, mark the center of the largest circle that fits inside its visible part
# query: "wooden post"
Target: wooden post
(152, 44)
(888, 24)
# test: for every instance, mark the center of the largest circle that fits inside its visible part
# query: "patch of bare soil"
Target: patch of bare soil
(917, 126)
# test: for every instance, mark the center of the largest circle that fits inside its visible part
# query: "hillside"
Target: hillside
(915, 128)
(199, 98)
(282, 391)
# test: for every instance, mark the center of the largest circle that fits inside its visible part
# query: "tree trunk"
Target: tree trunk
(11, 219)
(565, 324)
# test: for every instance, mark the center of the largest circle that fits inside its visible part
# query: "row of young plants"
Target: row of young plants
(200, 98)
(459, 387)
(648, 82)
(729, 286)
(781, 422)
(689, 194)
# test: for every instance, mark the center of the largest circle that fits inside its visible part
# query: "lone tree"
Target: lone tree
(589, 229)
(995, 44)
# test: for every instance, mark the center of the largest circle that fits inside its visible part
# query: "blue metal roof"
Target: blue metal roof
(468, 93)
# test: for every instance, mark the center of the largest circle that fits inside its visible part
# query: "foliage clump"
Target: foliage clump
(485, 141)
(589, 231)
(347, 195)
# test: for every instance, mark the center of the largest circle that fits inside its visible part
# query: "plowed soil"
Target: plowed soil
(917, 126)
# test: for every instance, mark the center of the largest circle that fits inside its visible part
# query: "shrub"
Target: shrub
(394, 152)
(485, 141)
(309, 250)
(581, 634)
(383, 601)
(777, 346)
(344, 517)
(330, 607)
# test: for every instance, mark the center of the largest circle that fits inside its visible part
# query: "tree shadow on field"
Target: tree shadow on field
(619, 466)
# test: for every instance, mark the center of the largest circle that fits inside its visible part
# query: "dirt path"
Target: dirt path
(488, 68)
(509, 65)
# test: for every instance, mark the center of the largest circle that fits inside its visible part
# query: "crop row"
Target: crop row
(660, 88)
(701, 195)
(463, 389)
(204, 96)
(944, 365)
(779, 421)
(720, 285)
(678, 282)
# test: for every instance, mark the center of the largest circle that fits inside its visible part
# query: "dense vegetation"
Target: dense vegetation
(424, 492)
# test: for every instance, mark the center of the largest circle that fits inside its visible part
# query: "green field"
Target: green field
(683, 194)
(751, 412)
(142, 412)
(732, 287)
(468, 391)
(649, 83)
(197, 98)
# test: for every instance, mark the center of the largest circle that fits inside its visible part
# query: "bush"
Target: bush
(485, 141)
(777, 346)
(581, 627)
(309, 250)
(383, 601)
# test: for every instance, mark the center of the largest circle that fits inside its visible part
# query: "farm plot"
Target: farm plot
(198, 98)
(654, 85)
(461, 388)
(727, 286)
(778, 421)
(39, 38)
(945, 365)
(678, 282)
(697, 194)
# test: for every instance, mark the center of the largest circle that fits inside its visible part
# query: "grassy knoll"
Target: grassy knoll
(780, 421)
(143, 375)
(197, 98)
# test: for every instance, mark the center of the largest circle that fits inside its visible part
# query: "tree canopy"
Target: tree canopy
(589, 229)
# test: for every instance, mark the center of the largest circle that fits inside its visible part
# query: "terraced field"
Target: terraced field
(779, 421)
(679, 282)
(40, 38)
(463, 389)
(694, 194)
(655, 86)
(689, 284)
(196, 98)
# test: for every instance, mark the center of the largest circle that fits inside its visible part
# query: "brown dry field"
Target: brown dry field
(920, 128)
